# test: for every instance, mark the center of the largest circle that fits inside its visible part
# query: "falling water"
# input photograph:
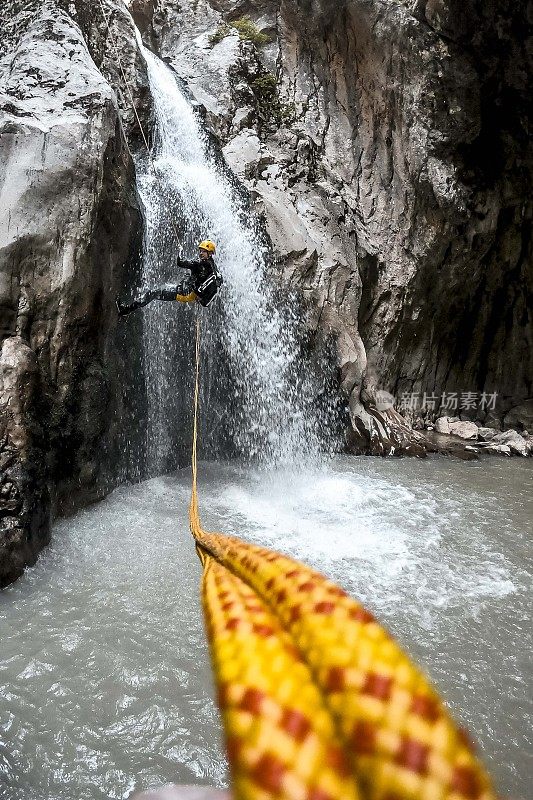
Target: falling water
(189, 195)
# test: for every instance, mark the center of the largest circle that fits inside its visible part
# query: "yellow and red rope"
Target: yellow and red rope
(318, 701)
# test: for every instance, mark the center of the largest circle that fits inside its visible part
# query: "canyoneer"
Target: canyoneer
(201, 286)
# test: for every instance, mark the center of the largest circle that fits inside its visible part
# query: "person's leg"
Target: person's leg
(138, 302)
(166, 292)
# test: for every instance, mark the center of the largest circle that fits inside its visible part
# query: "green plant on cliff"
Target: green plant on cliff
(247, 30)
(269, 106)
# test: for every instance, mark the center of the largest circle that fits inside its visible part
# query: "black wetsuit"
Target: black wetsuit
(202, 286)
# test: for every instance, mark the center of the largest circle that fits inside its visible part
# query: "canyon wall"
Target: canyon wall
(69, 222)
(386, 145)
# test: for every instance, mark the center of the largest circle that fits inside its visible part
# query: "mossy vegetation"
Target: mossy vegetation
(271, 111)
(269, 106)
(247, 30)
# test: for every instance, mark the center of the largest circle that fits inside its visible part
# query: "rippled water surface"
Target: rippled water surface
(104, 679)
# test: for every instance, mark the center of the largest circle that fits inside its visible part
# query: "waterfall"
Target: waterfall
(189, 195)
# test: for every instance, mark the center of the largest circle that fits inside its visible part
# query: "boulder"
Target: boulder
(465, 430)
(523, 448)
(442, 425)
(498, 450)
(520, 416)
(517, 443)
(493, 420)
(486, 434)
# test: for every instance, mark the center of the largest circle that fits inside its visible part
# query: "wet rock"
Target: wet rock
(452, 446)
(520, 416)
(507, 436)
(386, 433)
(24, 500)
(498, 450)
(465, 430)
(486, 434)
(523, 448)
(517, 443)
(492, 420)
(143, 11)
(442, 425)
(67, 222)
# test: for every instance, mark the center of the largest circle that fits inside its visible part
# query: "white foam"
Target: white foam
(368, 530)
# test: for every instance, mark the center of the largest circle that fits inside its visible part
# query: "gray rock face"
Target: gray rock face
(512, 439)
(389, 158)
(24, 497)
(520, 415)
(465, 430)
(498, 450)
(67, 222)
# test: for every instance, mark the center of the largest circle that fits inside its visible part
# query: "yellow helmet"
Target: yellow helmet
(209, 247)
